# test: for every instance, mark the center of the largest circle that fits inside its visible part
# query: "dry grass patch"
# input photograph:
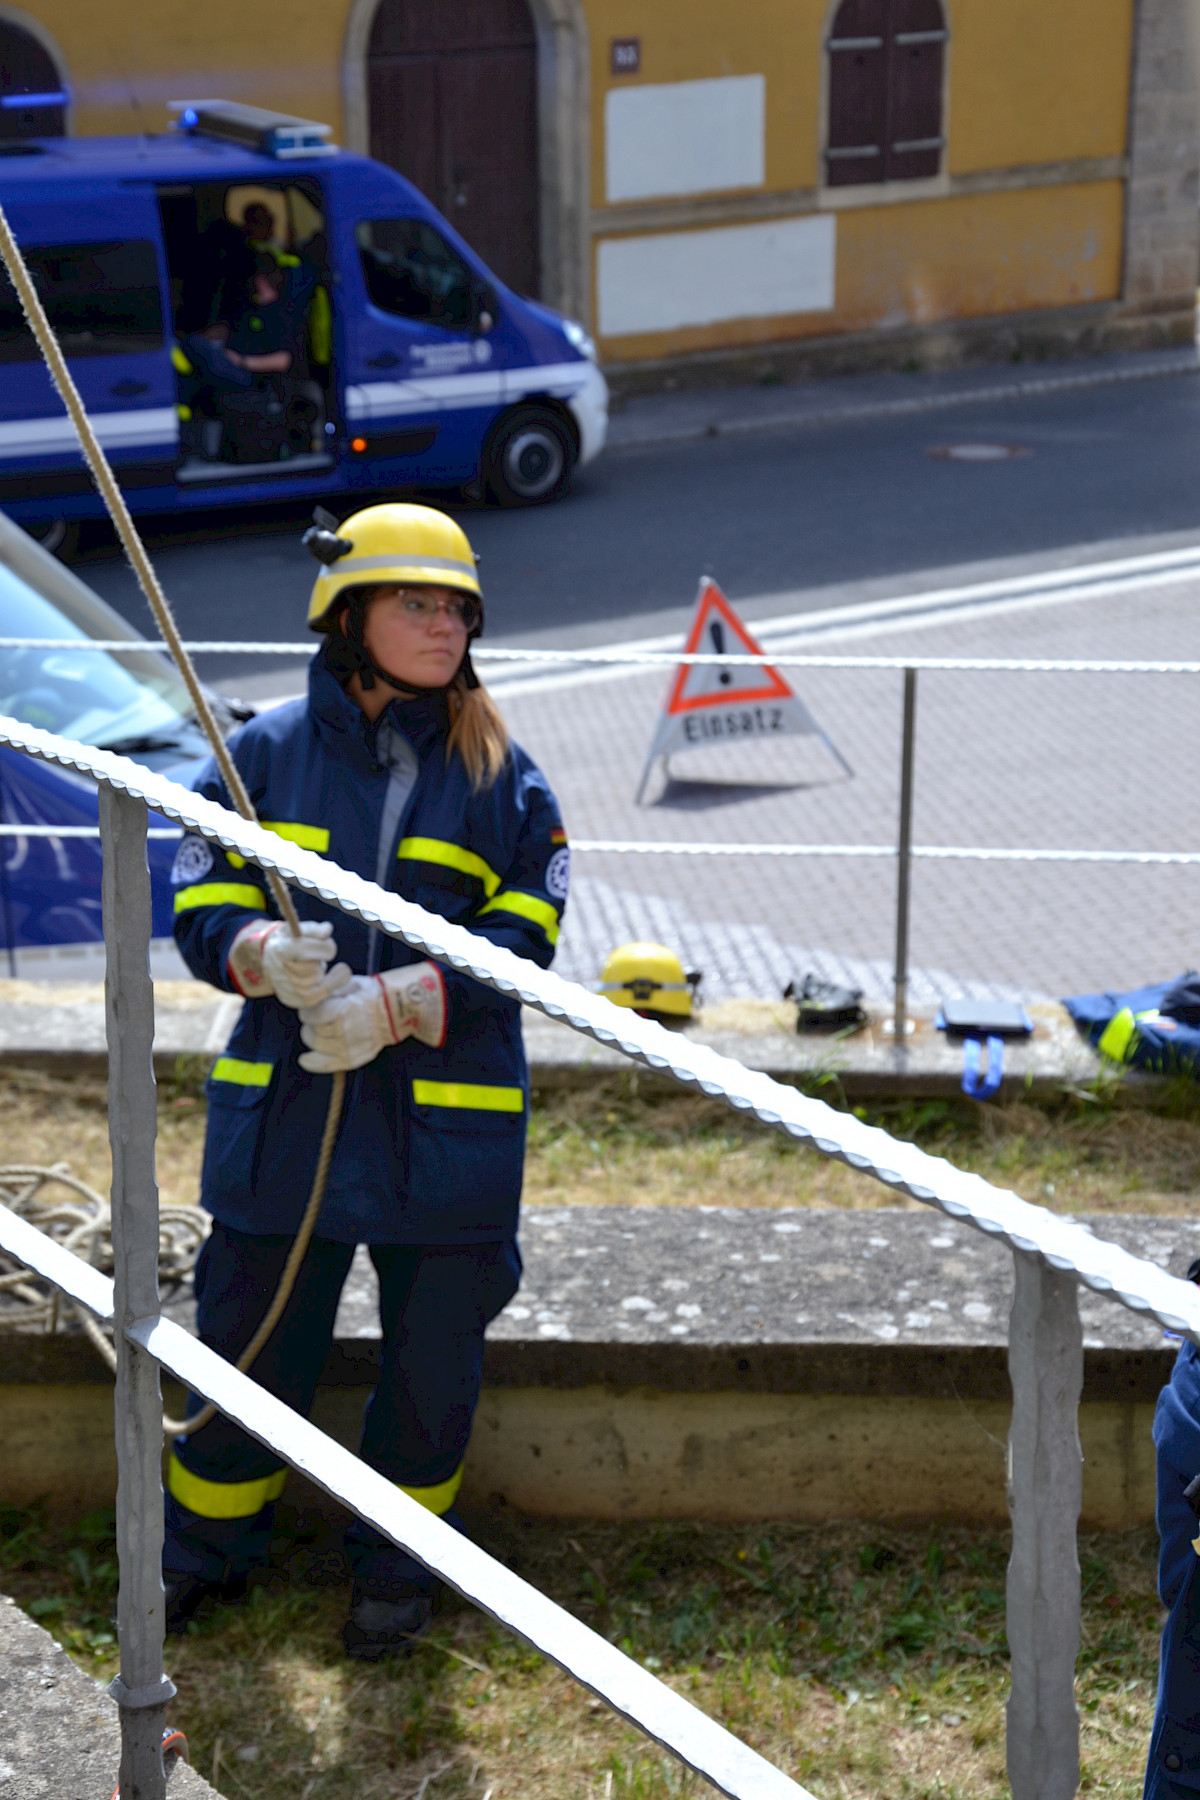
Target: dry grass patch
(863, 1659)
(625, 1141)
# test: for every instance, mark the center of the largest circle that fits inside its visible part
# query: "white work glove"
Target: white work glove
(371, 1012)
(266, 959)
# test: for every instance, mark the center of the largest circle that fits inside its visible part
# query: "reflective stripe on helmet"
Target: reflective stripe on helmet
(398, 564)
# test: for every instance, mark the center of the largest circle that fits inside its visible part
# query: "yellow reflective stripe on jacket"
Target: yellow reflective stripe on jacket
(242, 1074)
(526, 906)
(220, 893)
(449, 856)
(437, 1499)
(320, 327)
(179, 361)
(1118, 1035)
(309, 837)
(222, 1499)
(472, 1095)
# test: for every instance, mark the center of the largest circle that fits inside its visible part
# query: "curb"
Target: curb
(1175, 363)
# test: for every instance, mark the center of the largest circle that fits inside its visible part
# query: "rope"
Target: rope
(667, 659)
(296, 1255)
(130, 538)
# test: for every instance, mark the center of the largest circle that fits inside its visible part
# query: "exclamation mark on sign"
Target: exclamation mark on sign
(716, 632)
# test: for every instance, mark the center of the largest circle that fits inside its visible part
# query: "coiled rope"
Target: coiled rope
(135, 550)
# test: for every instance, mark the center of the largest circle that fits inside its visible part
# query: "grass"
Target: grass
(863, 1659)
(627, 1142)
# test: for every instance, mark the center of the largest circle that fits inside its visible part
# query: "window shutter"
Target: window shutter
(916, 60)
(858, 72)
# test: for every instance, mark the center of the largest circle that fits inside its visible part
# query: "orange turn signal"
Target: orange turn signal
(358, 444)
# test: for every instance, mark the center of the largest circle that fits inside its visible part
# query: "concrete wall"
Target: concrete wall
(1161, 237)
(608, 1453)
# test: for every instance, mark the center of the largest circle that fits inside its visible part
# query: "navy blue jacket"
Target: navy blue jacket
(1173, 1769)
(432, 1142)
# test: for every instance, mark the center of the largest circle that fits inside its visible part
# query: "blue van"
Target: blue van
(409, 365)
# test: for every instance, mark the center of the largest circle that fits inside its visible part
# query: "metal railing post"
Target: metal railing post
(141, 1689)
(904, 855)
(1045, 1492)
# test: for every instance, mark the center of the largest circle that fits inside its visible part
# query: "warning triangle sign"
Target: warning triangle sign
(717, 631)
(710, 704)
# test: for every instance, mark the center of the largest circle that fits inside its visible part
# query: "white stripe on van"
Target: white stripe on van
(446, 393)
(443, 393)
(560, 379)
(157, 425)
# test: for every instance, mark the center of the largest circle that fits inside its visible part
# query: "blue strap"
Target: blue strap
(973, 1085)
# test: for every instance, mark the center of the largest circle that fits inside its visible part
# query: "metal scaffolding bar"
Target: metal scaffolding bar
(141, 1689)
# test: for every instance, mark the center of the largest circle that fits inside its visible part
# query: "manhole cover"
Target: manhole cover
(979, 453)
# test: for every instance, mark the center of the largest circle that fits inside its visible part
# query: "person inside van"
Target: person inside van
(245, 374)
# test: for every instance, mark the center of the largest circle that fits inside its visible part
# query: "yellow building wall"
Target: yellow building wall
(1033, 82)
(1029, 81)
(125, 63)
(925, 261)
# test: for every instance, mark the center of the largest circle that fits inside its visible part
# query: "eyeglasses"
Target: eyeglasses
(423, 608)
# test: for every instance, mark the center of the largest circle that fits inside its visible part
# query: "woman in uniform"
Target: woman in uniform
(396, 766)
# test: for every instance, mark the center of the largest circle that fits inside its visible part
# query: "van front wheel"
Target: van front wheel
(529, 456)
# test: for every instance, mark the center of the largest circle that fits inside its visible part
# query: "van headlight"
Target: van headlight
(578, 339)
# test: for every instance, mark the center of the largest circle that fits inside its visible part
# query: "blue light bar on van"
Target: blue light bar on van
(29, 102)
(254, 128)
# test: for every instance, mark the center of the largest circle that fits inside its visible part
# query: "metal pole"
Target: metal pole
(904, 855)
(141, 1689)
(1045, 1492)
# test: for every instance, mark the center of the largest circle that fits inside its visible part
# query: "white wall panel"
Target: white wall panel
(684, 137)
(680, 278)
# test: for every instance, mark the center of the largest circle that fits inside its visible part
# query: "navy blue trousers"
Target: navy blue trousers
(1173, 1766)
(435, 1302)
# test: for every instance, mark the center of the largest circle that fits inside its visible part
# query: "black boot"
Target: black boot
(378, 1628)
(187, 1594)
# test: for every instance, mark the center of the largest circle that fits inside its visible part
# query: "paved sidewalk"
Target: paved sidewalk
(648, 419)
(1003, 760)
(59, 1737)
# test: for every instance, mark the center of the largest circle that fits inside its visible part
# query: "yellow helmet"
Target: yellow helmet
(650, 978)
(411, 546)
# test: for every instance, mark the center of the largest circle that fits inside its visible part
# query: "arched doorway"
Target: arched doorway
(452, 99)
(32, 100)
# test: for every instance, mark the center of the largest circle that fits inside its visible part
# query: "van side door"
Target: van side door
(422, 381)
(98, 264)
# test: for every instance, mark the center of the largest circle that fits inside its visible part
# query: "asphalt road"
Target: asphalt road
(804, 512)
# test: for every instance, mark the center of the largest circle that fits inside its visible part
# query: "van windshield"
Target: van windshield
(132, 703)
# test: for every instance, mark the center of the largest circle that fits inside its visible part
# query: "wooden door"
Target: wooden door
(25, 68)
(452, 88)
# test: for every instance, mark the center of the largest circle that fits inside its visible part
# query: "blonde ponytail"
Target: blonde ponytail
(477, 732)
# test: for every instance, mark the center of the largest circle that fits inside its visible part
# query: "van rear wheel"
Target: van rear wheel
(529, 456)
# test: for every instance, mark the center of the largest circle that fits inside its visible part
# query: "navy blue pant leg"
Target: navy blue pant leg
(435, 1302)
(222, 1484)
(1173, 1766)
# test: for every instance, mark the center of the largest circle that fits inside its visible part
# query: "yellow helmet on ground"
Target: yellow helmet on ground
(400, 544)
(650, 978)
